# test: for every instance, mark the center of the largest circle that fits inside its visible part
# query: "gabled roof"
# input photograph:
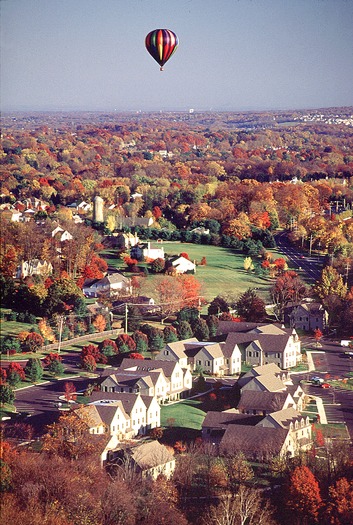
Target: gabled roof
(271, 329)
(270, 368)
(107, 412)
(90, 415)
(270, 383)
(254, 442)
(145, 365)
(128, 379)
(179, 347)
(126, 401)
(285, 417)
(213, 350)
(264, 401)
(220, 420)
(150, 454)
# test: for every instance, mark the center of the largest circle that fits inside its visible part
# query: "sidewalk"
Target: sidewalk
(318, 400)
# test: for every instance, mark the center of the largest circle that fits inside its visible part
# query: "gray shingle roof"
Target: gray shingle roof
(146, 365)
(254, 442)
(263, 401)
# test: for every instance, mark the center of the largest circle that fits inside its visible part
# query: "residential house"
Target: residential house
(201, 230)
(145, 305)
(152, 253)
(61, 235)
(110, 423)
(271, 369)
(213, 358)
(265, 344)
(176, 351)
(142, 412)
(306, 316)
(258, 402)
(130, 222)
(299, 397)
(298, 425)
(34, 267)
(232, 357)
(125, 241)
(150, 459)
(10, 215)
(180, 379)
(256, 443)
(181, 265)
(112, 284)
(206, 357)
(152, 382)
(215, 423)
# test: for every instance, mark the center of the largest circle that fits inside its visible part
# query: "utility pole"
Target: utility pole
(311, 244)
(347, 272)
(126, 311)
(61, 322)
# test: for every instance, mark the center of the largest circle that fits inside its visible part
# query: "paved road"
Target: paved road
(38, 404)
(330, 364)
(298, 260)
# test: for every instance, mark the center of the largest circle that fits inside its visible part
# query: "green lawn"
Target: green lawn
(13, 328)
(223, 274)
(185, 414)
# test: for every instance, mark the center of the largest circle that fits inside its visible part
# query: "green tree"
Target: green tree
(10, 344)
(217, 306)
(251, 307)
(141, 341)
(7, 395)
(15, 374)
(34, 369)
(200, 329)
(212, 323)
(170, 334)
(184, 330)
(53, 362)
(188, 314)
(156, 339)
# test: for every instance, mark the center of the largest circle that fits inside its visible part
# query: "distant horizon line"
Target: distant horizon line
(167, 110)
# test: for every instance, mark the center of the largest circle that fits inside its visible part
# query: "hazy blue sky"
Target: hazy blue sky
(233, 54)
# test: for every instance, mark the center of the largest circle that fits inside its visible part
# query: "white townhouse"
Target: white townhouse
(267, 344)
(299, 428)
(141, 412)
(180, 379)
(176, 351)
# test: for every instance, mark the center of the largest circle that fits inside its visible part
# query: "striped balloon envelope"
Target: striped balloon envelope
(161, 44)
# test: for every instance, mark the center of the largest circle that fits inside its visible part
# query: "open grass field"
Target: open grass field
(185, 414)
(223, 274)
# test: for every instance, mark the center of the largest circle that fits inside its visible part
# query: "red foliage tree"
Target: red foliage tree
(50, 358)
(125, 343)
(92, 351)
(136, 355)
(89, 363)
(70, 391)
(303, 495)
(157, 212)
(33, 342)
(340, 506)
(15, 374)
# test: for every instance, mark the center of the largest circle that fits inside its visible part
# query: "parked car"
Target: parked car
(316, 380)
(325, 385)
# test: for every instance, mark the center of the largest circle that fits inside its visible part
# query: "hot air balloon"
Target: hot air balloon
(161, 44)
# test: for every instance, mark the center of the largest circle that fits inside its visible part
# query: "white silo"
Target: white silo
(98, 209)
